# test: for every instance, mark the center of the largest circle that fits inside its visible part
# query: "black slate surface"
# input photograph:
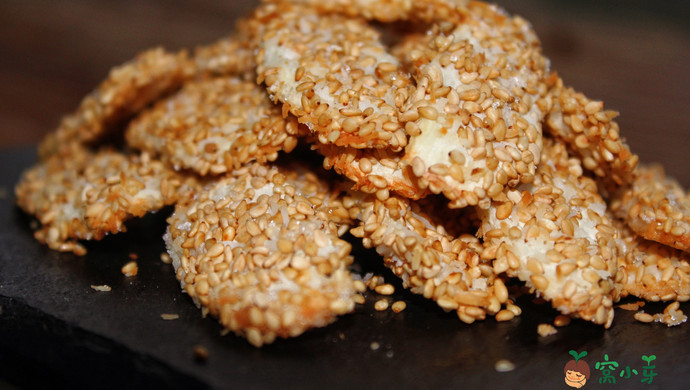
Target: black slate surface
(57, 332)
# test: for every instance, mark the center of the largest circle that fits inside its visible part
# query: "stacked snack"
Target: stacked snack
(457, 112)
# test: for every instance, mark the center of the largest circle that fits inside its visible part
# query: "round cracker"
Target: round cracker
(473, 119)
(213, 126)
(591, 133)
(554, 235)
(260, 251)
(128, 89)
(650, 270)
(656, 207)
(90, 195)
(439, 260)
(334, 73)
(391, 10)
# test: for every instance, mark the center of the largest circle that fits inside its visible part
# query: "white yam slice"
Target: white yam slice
(554, 235)
(431, 257)
(89, 195)
(212, 126)
(591, 134)
(333, 73)
(656, 207)
(473, 120)
(650, 270)
(128, 89)
(260, 250)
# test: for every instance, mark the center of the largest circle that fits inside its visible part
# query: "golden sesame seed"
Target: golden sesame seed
(381, 305)
(428, 112)
(385, 289)
(130, 269)
(398, 306)
(545, 330)
(643, 317)
(504, 315)
(561, 320)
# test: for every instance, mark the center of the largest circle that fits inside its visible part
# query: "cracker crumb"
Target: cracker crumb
(504, 365)
(561, 320)
(632, 306)
(546, 330)
(672, 316)
(169, 317)
(133, 256)
(200, 353)
(130, 269)
(102, 287)
(165, 258)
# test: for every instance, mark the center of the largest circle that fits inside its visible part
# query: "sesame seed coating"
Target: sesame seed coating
(390, 10)
(128, 88)
(89, 195)
(431, 261)
(476, 127)
(228, 56)
(557, 238)
(260, 251)
(214, 126)
(656, 207)
(374, 171)
(333, 73)
(590, 132)
(650, 270)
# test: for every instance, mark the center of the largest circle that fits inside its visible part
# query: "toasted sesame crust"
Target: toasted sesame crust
(433, 259)
(591, 134)
(229, 56)
(128, 88)
(89, 195)
(656, 207)
(333, 73)
(390, 10)
(554, 235)
(260, 251)
(473, 118)
(650, 270)
(214, 126)
(374, 171)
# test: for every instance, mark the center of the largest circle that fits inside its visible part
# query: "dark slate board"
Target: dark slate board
(57, 332)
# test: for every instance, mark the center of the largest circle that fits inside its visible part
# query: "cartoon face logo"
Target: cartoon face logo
(576, 371)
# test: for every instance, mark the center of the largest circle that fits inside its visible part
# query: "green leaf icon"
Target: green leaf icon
(578, 356)
(649, 358)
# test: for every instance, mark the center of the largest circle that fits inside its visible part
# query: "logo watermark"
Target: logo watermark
(577, 371)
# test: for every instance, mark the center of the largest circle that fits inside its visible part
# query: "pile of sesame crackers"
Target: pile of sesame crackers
(453, 150)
